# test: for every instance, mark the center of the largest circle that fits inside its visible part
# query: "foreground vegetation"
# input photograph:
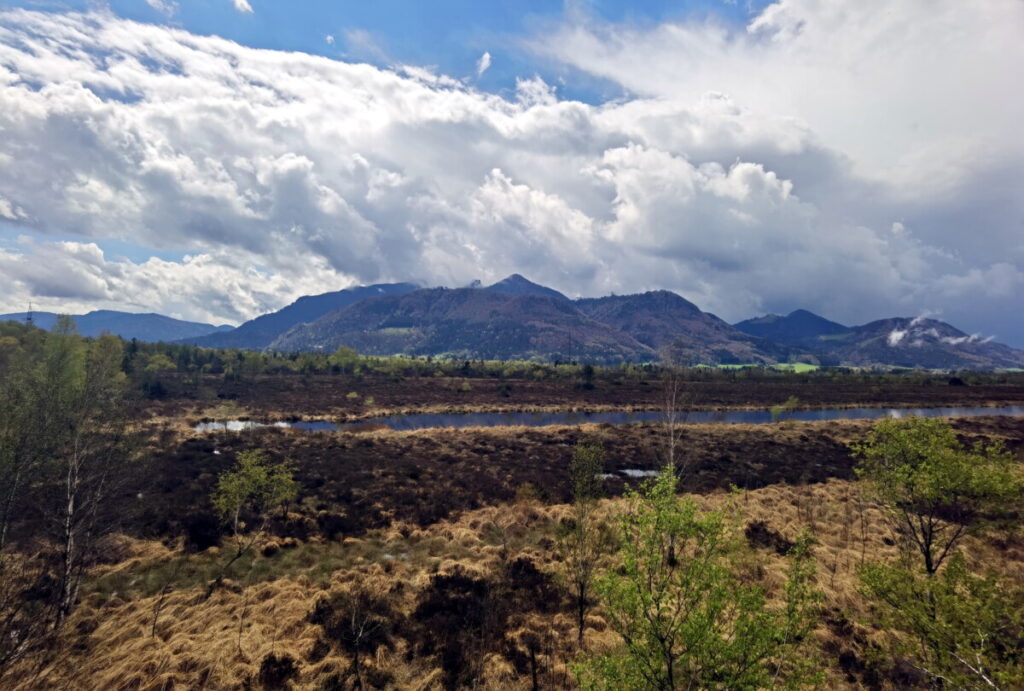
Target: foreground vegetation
(138, 554)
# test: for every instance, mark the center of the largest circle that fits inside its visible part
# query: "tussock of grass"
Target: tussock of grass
(263, 609)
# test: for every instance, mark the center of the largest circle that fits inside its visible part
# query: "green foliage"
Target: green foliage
(789, 405)
(935, 489)
(64, 448)
(963, 631)
(686, 621)
(255, 485)
(798, 367)
(159, 362)
(585, 469)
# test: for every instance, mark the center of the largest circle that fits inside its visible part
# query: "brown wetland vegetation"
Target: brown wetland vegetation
(452, 539)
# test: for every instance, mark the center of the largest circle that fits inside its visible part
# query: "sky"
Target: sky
(216, 159)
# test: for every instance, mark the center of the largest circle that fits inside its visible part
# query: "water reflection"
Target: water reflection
(431, 420)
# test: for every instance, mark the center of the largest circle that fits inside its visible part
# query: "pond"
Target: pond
(431, 420)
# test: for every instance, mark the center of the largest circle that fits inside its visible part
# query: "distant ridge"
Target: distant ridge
(918, 342)
(259, 333)
(128, 325)
(516, 318)
(894, 342)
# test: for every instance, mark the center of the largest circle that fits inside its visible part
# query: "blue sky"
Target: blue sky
(858, 159)
(450, 35)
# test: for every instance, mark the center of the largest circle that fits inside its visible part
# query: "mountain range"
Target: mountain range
(127, 325)
(518, 319)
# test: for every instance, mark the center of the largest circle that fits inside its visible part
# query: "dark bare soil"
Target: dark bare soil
(353, 482)
(329, 395)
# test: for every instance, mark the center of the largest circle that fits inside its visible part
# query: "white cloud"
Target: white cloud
(9, 210)
(483, 64)
(897, 87)
(242, 6)
(360, 44)
(299, 174)
(168, 7)
(216, 287)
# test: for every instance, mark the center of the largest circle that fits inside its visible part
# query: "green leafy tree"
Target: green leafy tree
(254, 487)
(93, 448)
(934, 489)
(961, 630)
(160, 362)
(581, 544)
(344, 359)
(689, 622)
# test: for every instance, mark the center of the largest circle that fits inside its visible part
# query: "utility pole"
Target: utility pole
(28, 316)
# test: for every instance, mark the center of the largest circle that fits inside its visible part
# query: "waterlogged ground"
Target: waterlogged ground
(366, 479)
(425, 512)
(406, 422)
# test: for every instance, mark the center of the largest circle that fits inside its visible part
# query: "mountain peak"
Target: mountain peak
(798, 328)
(516, 284)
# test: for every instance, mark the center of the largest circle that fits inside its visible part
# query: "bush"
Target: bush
(358, 619)
(685, 620)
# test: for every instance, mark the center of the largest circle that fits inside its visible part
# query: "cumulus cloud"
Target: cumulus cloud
(242, 6)
(891, 86)
(483, 64)
(299, 174)
(215, 287)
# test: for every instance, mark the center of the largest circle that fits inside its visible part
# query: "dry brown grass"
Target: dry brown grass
(221, 641)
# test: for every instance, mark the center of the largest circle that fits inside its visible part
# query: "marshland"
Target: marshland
(559, 344)
(241, 559)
